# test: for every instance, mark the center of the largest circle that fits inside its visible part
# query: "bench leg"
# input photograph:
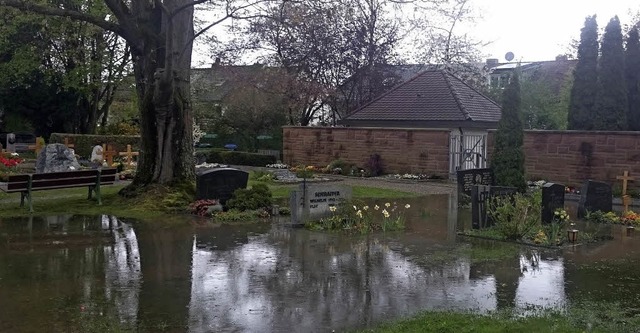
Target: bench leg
(29, 193)
(90, 195)
(22, 195)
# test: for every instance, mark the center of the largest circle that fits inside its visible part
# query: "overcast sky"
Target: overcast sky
(542, 29)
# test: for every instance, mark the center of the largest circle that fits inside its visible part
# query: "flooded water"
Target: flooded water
(82, 274)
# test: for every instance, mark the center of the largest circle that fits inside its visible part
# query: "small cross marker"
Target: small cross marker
(129, 154)
(626, 199)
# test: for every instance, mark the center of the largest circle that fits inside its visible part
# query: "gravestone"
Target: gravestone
(313, 202)
(552, 199)
(481, 196)
(467, 179)
(56, 157)
(285, 175)
(220, 183)
(595, 196)
(11, 143)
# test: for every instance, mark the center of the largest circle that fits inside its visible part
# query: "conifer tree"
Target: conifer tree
(633, 78)
(612, 103)
(507, 159)
(585, 78)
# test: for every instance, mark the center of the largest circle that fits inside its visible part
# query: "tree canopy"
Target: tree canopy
(507, 159)
(585, 83)
(612, 104)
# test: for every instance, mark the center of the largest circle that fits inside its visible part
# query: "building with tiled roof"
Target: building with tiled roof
(431, 99)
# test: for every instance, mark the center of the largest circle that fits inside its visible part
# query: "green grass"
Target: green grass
(281, 191)
(74, 201)
(593, 319)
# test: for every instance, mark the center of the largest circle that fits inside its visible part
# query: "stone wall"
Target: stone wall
(567, 157)
(401, 150)
(570, 157)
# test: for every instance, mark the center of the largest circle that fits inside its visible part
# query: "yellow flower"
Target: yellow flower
(385, 213)
(387, 205)
(407, 206)
(376, 207)
(359, 214)
(355, 208)
(332, 208)
(365, 207)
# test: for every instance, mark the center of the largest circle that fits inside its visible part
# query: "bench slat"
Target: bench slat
(54, 180)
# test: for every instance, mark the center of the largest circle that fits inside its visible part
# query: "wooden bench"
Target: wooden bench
(27, 183)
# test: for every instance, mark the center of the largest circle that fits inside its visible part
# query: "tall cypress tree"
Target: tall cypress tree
(507, 159)
(585, 78)
(632, 71)
(612, 103)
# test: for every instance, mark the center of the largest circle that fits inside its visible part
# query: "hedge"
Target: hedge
(234, 157)
(84, 143)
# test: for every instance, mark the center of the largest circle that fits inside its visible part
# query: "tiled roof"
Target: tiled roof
(433, 95)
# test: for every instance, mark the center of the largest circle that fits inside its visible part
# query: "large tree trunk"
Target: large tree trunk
(162, 63)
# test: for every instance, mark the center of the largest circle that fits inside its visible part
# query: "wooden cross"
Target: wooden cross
(108, 153)
(37, 147)
(626, 199)
(129, 155)
(68, 144)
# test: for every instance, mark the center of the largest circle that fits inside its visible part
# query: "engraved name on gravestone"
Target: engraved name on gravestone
(220, 183)
(595, 196)
(469, 178)
(552, 199)
(318, 199)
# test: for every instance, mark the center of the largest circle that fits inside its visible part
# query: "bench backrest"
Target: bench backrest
(45, 181)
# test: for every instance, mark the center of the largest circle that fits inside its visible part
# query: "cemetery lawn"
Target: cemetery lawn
(74, 201)
(281, 191)
(455, 322)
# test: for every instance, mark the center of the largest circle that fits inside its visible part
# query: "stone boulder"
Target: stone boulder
(56, 157)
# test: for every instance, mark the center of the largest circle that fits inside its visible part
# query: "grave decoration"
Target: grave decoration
(626, 199)
(595, 196)
(108, 153)
(220, 183)
(128, 155)
(552, 201)
(481, 197)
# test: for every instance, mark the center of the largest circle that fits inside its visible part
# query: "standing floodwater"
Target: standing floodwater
(78, 273)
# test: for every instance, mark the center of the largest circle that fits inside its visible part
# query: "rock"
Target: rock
(56, 157)
(214, 208)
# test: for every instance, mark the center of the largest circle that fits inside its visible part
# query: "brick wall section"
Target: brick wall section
(570, 157)
(401, 150)
(566, 157)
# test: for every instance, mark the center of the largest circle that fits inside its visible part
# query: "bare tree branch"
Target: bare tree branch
(46, 10)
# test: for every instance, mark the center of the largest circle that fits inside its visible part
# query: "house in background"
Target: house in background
(436, 99)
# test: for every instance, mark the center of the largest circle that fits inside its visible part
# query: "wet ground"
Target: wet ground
(78, 273)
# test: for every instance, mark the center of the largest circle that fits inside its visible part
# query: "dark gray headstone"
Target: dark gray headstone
(11, 143)
(552, 199)
(56, 157)
(480, 200)
(467, 179)
(595, 196)
(220, 183)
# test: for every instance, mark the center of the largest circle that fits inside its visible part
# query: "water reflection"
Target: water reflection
(57, 272)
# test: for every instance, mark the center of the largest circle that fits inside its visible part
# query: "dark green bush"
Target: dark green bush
(84, 143)
(234, 157)
(256, 197)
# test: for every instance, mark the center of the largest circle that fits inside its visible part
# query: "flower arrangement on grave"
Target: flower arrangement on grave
(362, 218)
(9, 165)
(277, 166)
(630, 218)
